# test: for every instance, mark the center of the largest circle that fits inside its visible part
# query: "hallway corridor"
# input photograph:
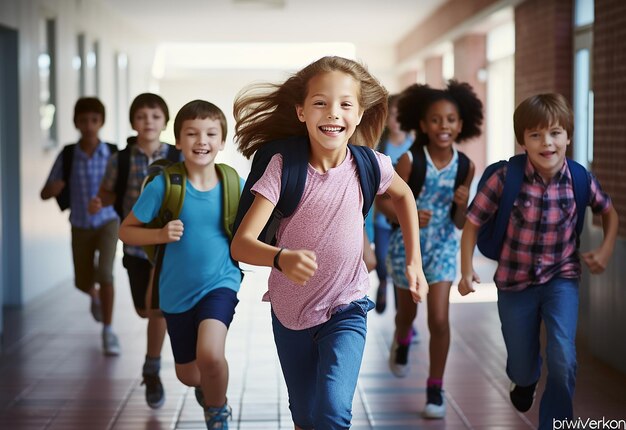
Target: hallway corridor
(53, 375)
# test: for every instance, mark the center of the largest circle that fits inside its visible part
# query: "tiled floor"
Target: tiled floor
(54, 376)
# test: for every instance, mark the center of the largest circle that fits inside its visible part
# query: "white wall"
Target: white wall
(45, 232)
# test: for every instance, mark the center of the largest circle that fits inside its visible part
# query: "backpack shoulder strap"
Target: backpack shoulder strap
(295, 153)
(112, 147)
(418, 170)
(67, 159)
(512, 186)
(230, 198)
(123, 169)
(369, 174)
(461, 175)
(175, 177)
(173, 154)
(582, 191)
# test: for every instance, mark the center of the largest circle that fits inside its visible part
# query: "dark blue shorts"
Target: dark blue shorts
(218, 304)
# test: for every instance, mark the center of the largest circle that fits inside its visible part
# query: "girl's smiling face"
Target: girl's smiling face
(331, 110)
(442, 123)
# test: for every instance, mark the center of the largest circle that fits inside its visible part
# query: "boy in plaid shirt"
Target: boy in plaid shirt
(539, 268)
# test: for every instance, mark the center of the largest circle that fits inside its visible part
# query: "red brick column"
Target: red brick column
(470, 57)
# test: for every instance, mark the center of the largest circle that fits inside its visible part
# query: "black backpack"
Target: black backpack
(418, 172)
(295, 153)
(67, 159)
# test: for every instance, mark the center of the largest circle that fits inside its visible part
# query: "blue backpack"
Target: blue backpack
(295, 154)
(491, 234)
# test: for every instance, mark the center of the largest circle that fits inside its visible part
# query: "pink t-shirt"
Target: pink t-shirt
(329, 221)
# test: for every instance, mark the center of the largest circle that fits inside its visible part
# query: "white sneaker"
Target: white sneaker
(399, 359)
(435, 403)
(110, 343)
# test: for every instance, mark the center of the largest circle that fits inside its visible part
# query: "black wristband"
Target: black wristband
(276, 265)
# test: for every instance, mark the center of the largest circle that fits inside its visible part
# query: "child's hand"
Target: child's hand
(298, 265)
(172, 232)
(417, 283)
(424, 217)
(461, 196)
(466, 284)
(595, 260)
(95, 205)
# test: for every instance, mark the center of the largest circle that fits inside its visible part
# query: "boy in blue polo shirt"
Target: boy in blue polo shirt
(199, 281)
(90, 233)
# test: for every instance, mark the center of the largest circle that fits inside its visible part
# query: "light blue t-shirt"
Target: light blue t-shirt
(200, 261)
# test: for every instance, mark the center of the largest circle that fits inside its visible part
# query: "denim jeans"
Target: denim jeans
(321, 366)
(521, 313)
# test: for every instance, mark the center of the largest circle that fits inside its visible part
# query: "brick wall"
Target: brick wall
(543, 48)
(609, 84)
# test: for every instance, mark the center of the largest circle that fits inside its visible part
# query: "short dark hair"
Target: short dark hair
(199, 109)
(88, 105)
(150, 100)
(542, 111)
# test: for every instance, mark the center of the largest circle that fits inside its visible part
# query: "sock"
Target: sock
(152, 365)
(434, 382)
(405, 341)
(107, 328)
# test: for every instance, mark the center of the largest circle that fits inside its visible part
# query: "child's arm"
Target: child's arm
(298, 265)
(369, 257)
(598, 259)
(134, 232)
(382, 202)
(404, 206)
(52, 189)
(468, 243)
(461, 198)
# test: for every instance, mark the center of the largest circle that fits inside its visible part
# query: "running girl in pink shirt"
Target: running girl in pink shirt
(319, 283)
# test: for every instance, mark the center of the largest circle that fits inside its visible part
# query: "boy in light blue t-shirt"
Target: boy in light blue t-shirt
(198, 282)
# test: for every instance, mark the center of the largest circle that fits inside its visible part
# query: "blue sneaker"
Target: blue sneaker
(217, 418)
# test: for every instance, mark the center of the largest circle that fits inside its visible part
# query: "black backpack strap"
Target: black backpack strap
(461, 175)
(123, 170)
(173, 154)
(418, 170)
(369, 174)
(67, 159)
(112, 147)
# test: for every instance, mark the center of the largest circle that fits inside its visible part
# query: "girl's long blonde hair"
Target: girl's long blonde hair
(266, 112)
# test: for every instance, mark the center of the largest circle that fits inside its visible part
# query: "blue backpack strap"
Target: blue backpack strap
(582, 192)
(295, 153)
(369, 174)
(491, 234)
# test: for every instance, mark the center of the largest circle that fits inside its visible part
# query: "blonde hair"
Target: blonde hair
(266, 112)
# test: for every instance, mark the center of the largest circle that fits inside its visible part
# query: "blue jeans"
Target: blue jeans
(321, 366)
(521, 313)
(381, 243)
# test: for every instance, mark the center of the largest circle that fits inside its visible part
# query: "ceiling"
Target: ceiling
(361, 22)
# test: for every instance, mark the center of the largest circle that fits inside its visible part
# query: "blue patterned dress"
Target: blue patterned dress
(439, 239)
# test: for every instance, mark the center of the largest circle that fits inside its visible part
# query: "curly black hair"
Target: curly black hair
(415, 100)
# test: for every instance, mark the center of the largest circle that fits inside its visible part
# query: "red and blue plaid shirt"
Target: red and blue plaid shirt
(541, 240)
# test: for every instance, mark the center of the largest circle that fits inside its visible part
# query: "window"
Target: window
(47, 82)
(583, 75)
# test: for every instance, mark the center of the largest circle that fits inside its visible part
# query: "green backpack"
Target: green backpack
(175, 177)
